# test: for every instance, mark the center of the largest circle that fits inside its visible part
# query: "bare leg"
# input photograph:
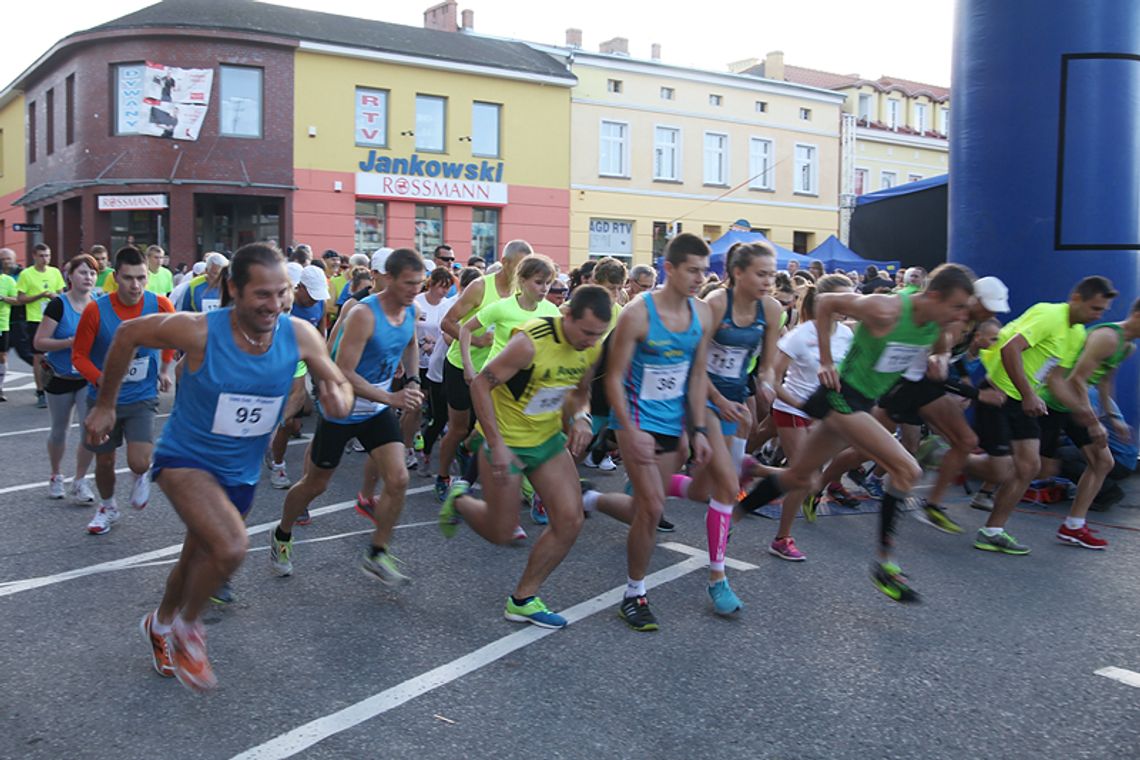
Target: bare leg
(564, 510)
(389, 460)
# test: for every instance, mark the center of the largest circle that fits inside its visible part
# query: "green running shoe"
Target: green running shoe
(936, 517)
(383, 567)
(280, 555)
(1002, 543)
(811, 502)
(449, 518)
(888, 578)
(534, 612)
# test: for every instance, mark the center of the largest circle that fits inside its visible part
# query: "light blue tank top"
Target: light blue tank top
(141, 381)
(657, 381)
(60, 360)
(379, 359)
(731, 352)
(311, 314)
(226, 410)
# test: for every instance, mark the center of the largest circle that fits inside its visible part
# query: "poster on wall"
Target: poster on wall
(162, 101)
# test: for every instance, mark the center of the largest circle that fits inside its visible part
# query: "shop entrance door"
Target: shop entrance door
(225, 223)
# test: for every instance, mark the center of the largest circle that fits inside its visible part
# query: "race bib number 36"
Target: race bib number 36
(547, 400)
(239, 416)
(138, 370)
(664, 383)
(897, 357)
(726, 361)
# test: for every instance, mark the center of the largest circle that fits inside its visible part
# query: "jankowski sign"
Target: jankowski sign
(484, 171)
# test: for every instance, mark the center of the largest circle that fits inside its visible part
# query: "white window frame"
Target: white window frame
(677, 175)
(724, 162)
(921, 121)
(443, 101)
(805, 114)
(912, 177)
(761, 106)
(668, 93)
(866, 181)
(623, 169)
(894, 108)
(767, 180)
(716, 99)
(813, 173)
(944, 120)
(859, 107)
(883, 174)
(498, 128)
(614, 86)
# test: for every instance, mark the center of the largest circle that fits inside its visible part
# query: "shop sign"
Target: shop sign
(484, 171)
(611, 236)
(132, 202)
(400, 187)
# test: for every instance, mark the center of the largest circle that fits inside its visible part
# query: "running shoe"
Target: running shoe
(535, 612)
(1081, 536)
(888, 578)
(936, 517)
(382, 566)
(81, 492)
(304, 518)
(41, 400)
(140, 492)
(366, 507)
(410, 461)
(664, 526)
(224, 594)
(423, 464)
(519, 534)
(278, 477)
(538, 511)
(1002, 542)
(3, 398)
(931, 451)
(634, 610)
(725, 602)
(105, 517)
(280, 555)
(858, 477)
(606, 464)
(159, 647)
(841, 496)
(191, 665)
(442, 486)
(785, 548)
(983, 501)
(873, 485)
(418, 442)
(55, 487)
(449, 518)
(808, 507)
(354, 446)
(463, 458)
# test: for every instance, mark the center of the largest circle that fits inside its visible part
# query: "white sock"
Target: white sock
(157, 627)
(590, 500)
(278, 465)
(736, 450)
(634, 588)
(108, 503)
(1074, 523)
(992, 531)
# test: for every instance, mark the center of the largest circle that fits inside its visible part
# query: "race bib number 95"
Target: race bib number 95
(239, 416)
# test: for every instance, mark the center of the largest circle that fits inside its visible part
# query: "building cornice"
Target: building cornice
(897, 138)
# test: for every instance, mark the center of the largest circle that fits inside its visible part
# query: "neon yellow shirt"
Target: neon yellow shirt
(33, 282)
(1052, 342)
(8, 290)
(161, 282)
(478, 355)
(506, 315)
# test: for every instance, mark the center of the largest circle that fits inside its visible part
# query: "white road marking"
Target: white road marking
(9, 588)
(1129, 677)
(48, 429)
(303, 737)
(692, 551)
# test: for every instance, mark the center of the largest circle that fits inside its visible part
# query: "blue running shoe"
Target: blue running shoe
(725, 602)
(538, 511)
(873, 485)
(534, 612)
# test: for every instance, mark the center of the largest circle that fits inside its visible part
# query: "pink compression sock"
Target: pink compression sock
(718, 520)
(679, 486)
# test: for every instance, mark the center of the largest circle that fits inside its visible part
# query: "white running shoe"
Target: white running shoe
(410, 461)
(278, 477)
(607, 464)
(105, 517)
(519, 535)
(140, 492)
(81, 491)
(55, 487)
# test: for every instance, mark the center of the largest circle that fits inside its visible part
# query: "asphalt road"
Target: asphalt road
(999, 661)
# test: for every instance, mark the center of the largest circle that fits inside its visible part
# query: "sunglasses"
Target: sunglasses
(557, 291)
(446, 258)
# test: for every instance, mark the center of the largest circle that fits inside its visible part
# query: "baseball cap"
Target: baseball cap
(313, 278)
(993, 294)
(199, 267)
(379, 258)
(293, 269)
(429, 265)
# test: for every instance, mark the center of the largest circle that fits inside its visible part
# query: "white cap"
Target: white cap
(313, 278)
(429, 265)
(379, 259)
(993, 294)
(198, 268)
(293, 269)
(358, 260)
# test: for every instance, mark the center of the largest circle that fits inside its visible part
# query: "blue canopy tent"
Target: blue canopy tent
(721, 245)
(835, 255)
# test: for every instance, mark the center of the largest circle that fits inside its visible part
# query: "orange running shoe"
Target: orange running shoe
(191, 665)
(159, 647)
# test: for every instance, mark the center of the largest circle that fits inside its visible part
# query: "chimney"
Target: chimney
(774, 65)
(574, 38)
(468, 24)
(616, 46)
(739, 67)
(443, 17)
(655, 51)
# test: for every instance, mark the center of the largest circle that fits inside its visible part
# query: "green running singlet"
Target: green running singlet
(874, 364)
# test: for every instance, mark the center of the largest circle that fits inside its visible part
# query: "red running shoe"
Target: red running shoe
(1082, 536)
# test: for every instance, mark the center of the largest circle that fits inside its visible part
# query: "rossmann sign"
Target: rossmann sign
(414, 179)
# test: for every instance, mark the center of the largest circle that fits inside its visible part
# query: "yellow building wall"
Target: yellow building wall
(903, 160)
(12, 147)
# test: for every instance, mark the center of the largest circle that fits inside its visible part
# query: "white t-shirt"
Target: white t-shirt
(428, 333)
(802, 345)
(439, 353)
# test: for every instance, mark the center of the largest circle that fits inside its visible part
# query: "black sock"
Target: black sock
(887, 515)
(281, 535)
(762, 493)
(375, 551)
(521, 602)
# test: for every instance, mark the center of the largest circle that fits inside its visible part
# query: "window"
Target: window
(920, 122)
(716, 158)
(716, 100)
(429, 227)
(667, 153)
(887, 180)
(371, 117)
(431, 111)
(861, 177)
(806, 170)
(485, 129)
(662, 233)
(49, 120)
(241, 101)
(805, 114)
(864, 107)
(761, 106)
(802, 241)
(893, 114)
(913, 177)
(69, 109)
(613, 85)
(944, 121)
(760, 164)
(370, 227)
(613, 149)
(668, 93)
(31, 132)
(485, 233)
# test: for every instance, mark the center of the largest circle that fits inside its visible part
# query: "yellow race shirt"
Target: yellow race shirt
(1052, 342)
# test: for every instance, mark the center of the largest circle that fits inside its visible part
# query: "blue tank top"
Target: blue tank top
(731, 352)
(657, 380)
(60, 360)
(379, 359)
(311, 314)
(202, 297)
(141, 380)
(226, 410)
